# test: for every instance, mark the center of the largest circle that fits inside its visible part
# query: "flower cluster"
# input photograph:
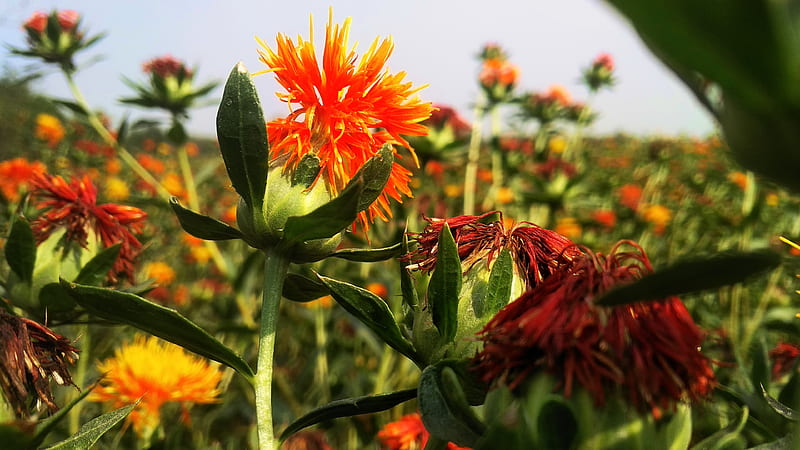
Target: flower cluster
(649, 352)
(55, 37)
(73, 206)
(16, 174)
(600, 74)
(343, 111)
(553, 104)
(408, 433)
(498, 76)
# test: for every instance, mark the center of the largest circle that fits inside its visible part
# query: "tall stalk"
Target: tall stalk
(473, 154)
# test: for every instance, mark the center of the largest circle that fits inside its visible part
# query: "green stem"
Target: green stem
(321, 337)
(275, 269)
(497, 160)
(80, 376)
(474, 153)
(123, 153)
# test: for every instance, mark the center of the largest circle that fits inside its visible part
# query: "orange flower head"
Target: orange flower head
(408, 433)
(15, 175)
(49, 129)
(659, 215)
(159, 271)
(337, 107)
(154, 372)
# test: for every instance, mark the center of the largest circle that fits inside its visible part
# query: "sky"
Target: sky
(436, 43)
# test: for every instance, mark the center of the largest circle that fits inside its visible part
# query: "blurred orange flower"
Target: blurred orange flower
(173, 183)
(408, 433)
(505, 195)
(159, 271)
(116, 189)
(498, 71)
(739, 179)
(378, 289)
(558, 94)
(568, 227)
(153, 372)
(49, 129)
(15, 175)
(629, 196)
(339, 107)
(605, 217)
(150, 163)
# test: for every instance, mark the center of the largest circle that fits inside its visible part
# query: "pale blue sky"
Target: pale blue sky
(436, 42)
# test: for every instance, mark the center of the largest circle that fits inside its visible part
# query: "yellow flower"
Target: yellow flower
(453, 190)
(173, 184)
(116, 189)
(154, 372)
(159, 271)
(505, 195)
(49, 129)
(772, 199)
(557, 144)
(659, 216)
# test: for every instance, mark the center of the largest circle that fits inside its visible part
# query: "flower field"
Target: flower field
(373, 270)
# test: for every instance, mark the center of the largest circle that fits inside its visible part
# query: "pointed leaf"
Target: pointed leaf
(373, 312)
(203, 227)
(92, 430)
(369, 254)
(298, 288)
(96, 270)
(350, 407)
(689, 276)
(72, 106)
(728, 436)
(375, 172)
(445, 286)
(46, 426)
(177, 134)
(327, 220)
(779, 407)
(20, 249)
(242, 135)
(498, 289)
(307, 170)
(444, 407)
(166, 323)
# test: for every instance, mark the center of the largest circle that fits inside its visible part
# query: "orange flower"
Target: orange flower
(558, 94)
(605, 217)
(154, 372)
(159, 271)
(408, 433)
(739, 179)
(498, 71)
(49, 129)
(173, 183)
(337, 105)
(629, 196)
(568, 227)
(15, 175)
(378, 289)
(151, 164)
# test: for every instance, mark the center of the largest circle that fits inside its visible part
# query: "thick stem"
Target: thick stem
(275, 269)
(80, 376)
(122, 152)
(474, 153)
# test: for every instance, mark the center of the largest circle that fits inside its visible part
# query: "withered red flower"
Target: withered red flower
(649, 351)
(165, 66)
(536, 251)
(74, 207)
(31, 355)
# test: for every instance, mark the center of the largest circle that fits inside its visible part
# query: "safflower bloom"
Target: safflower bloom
(498, 72)
(536, 251)
(336, 108)
(117, 189)
(408, 433)
(154, 372)
(74, 206)
(658, 215)
(16, 174)
(159, 271)
(629, 196)
(49, 129)
(649, 352)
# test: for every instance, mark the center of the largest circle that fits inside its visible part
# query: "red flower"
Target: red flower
(15, 174)
(74, 206)
(68, 19)
(537, 252)
(166, 66)
(605, 61)
(629, 196)
(443, 116)
(408, 433)
(605, 217)
(36, 22)
(783, 357)
(649, 350)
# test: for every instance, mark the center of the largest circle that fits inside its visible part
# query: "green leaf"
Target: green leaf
(349, 407)
(444, 407)
(53, 298)
(445, 286)
(375, 173)
(498, 289)
(369, 254)
(760, 373)
(373, 312)
(21, 249)
(307, 170)
(122, 131)
(298, 288)
(326, 220)
(203, 227)
(166, 323)
(242, 135)
(96, 270)
(779, 407)
(410, 295)
(690, 276)
(46, 426)
(177, 134)
(92, 430)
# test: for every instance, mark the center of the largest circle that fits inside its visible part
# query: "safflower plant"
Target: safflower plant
(518, 336)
